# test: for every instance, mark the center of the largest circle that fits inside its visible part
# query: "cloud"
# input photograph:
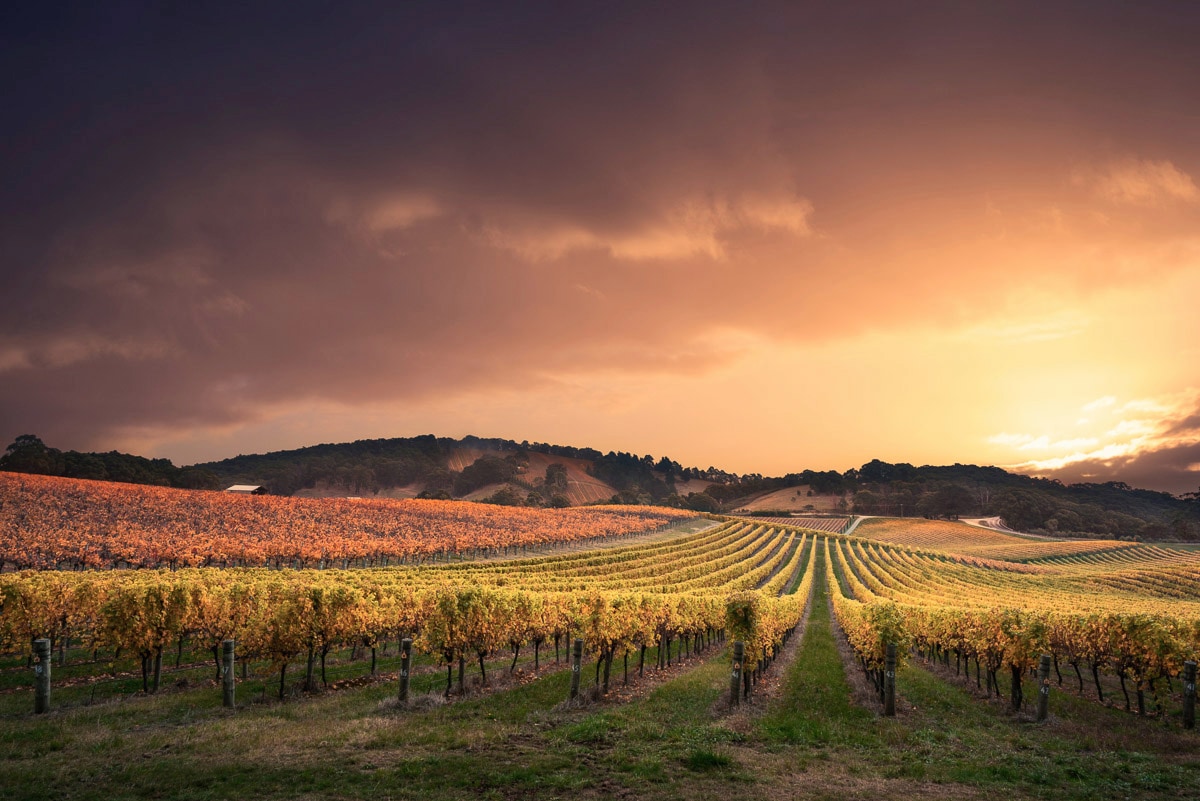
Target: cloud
(1012, 440)
(1100, 403)
(692, 227)
(1173, 468)
(89, 264)
(394, 212)
(1188, 425)
(13, 357)
(1140, 182)
(767, 213)
(469, 200)
(226, 304)
(1058, 326)
(402, 212)
(66, 350)
(1132, 429)
(1159, 448)
(1028, 442)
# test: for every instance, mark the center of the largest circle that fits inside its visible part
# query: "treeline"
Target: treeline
(28, 454)
(365, 467)
(1039, 505)
(734, 488)
(360, 468)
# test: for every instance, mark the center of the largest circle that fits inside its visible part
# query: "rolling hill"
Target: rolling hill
(514, 473)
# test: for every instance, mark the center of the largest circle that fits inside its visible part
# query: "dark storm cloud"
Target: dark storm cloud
(1169, 467)
(1189, 425)
(206, 212)
(1165, 457)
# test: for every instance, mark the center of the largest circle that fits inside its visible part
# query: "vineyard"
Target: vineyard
(62, 523)
(962, 607)
(619, 600)
(831, 524)
(940, 534)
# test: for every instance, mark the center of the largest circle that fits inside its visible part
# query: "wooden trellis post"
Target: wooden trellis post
(735, 676)
(576, 665)
(889, 681)
(405, 665)
(1043, 709)
(227, 674)
(1189, 695)
(41, 669)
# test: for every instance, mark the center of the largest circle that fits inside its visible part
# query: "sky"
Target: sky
(766, 237)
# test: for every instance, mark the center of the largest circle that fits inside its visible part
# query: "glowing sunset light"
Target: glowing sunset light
(1125, 434)
(802, 237)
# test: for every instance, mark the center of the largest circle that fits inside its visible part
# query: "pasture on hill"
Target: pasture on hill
(793, 499)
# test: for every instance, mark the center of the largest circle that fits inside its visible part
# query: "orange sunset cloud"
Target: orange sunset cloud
(804, 237)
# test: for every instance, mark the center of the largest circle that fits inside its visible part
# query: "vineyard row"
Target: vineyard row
(885, 595)
(288, 616)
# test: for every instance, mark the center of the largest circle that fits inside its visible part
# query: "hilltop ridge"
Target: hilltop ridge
(507, 472)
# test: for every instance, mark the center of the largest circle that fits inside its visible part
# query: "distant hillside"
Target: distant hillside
(801, 499)
(473, 468)
(1039, 505)
(537, 474)
(492, 470)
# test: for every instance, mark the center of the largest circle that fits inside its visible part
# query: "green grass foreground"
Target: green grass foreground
(674, 741)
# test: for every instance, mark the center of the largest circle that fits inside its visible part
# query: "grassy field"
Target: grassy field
(812, 732)
(794, 499)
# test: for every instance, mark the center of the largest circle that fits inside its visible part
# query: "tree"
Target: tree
(556, 478)
(878, 472)
(1064, 520)
(505, 496)
(866, 502)
(668, 467)
(701, 502)
(28, 454)
(485, 470)
(949, 500)
(1022, 510)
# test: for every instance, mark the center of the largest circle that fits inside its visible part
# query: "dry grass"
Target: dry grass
(962, 538)
(942, 535)
(795, 499)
